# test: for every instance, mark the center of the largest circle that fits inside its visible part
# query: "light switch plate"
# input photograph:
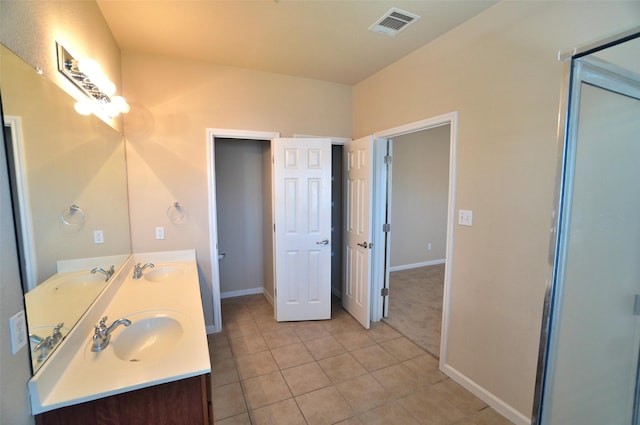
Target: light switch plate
(18, 330)
(465, 217)
(159, 233)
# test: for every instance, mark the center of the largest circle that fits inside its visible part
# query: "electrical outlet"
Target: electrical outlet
(98, 237)
(18, 330)
(159, 233)
(429, 246)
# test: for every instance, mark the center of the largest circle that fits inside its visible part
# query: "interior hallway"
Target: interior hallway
(328, 372)
(415, 305)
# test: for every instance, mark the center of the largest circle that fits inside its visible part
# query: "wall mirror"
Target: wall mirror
(69, 183)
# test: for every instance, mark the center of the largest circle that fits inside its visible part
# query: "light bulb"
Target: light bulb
(90, 68)
(112, 109)
(121, 103)
(106, 86)
(83, 108)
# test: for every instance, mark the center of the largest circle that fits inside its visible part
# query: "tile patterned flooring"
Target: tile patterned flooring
(329, 372)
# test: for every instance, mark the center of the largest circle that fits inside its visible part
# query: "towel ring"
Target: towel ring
(176, 213)
(67, 217)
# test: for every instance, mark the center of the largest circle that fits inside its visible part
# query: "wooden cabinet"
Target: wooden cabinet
(184, 402)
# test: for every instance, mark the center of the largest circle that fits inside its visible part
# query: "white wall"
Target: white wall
(420, 194)
(500, 71)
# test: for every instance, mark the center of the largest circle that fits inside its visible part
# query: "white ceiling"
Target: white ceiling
(319, 39)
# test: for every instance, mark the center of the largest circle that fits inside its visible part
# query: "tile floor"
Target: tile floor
(329, 372)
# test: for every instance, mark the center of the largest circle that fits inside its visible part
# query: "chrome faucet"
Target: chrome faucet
(137, 269)
(102, 334)
(107, 273)
(45, 344)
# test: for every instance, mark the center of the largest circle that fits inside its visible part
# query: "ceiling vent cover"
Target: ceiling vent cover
(394, 21)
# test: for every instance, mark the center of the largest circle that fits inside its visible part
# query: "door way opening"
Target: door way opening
(243, 218)
(417, 211)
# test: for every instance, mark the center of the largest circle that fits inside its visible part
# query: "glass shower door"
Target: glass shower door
(594, 343)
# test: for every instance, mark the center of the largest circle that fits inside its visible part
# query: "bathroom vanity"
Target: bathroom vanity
(155, 367)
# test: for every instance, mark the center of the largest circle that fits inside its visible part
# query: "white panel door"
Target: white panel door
(302, 215)
(357, 158)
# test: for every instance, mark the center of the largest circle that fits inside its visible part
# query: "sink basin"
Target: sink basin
(160, 273)
(150, 336)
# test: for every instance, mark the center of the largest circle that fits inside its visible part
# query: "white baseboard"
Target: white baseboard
(268, 296)
(250, 291)
(496, 403)
(416, 265)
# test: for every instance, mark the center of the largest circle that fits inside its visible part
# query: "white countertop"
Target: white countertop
(75, 374)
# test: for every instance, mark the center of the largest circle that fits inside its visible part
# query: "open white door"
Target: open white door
(302, 216)
(357, 158)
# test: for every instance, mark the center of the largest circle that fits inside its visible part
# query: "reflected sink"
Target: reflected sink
(150, 336)
(160, 273)
(72, 283)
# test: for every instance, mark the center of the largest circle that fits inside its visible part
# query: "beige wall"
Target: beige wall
(173, 102)
(500, 71)
(420, 195)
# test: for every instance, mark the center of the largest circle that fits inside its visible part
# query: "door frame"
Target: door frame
(212, 134)
(380, 263)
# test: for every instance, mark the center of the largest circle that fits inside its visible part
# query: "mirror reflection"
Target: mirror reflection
(70, 191)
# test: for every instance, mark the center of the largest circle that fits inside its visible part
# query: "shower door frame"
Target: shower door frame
(576, 70)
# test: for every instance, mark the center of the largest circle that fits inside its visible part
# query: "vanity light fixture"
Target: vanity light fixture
(87, 75)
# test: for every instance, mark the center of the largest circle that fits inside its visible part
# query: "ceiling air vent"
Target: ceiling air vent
(394, 21)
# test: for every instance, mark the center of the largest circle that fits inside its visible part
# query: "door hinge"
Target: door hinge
(387, 159)
(384, 292)
(386, 227)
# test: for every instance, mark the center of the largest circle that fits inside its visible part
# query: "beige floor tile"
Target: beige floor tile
(487, 416)
(236, 315)
(464, 400)
(305, 378)
(325, 406)
(291, 355)
(242, 419)
(341, 367)
(282, 413)
(322, 348)
(426, 367)
(341, 324)
(374, 357)
(280, 338)
(354, 340)
(248, 345)
(218, 342)
(398, 379)
(244, 329)
(256, 364)
(223, 371)
(228, 400)
(402, 349)
(431, 407)
(390, 413)
(266, 389)
(364, 393)
(310, 330)
(351, 421)
(381, 332)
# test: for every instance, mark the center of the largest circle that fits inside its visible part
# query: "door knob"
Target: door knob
(324, 242)
(363, 244)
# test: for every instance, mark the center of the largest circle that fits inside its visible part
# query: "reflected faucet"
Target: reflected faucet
(137, 269)
(102, 334)
(45, 344)
(107, 273)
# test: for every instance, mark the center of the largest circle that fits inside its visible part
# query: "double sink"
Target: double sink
(165, 341)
